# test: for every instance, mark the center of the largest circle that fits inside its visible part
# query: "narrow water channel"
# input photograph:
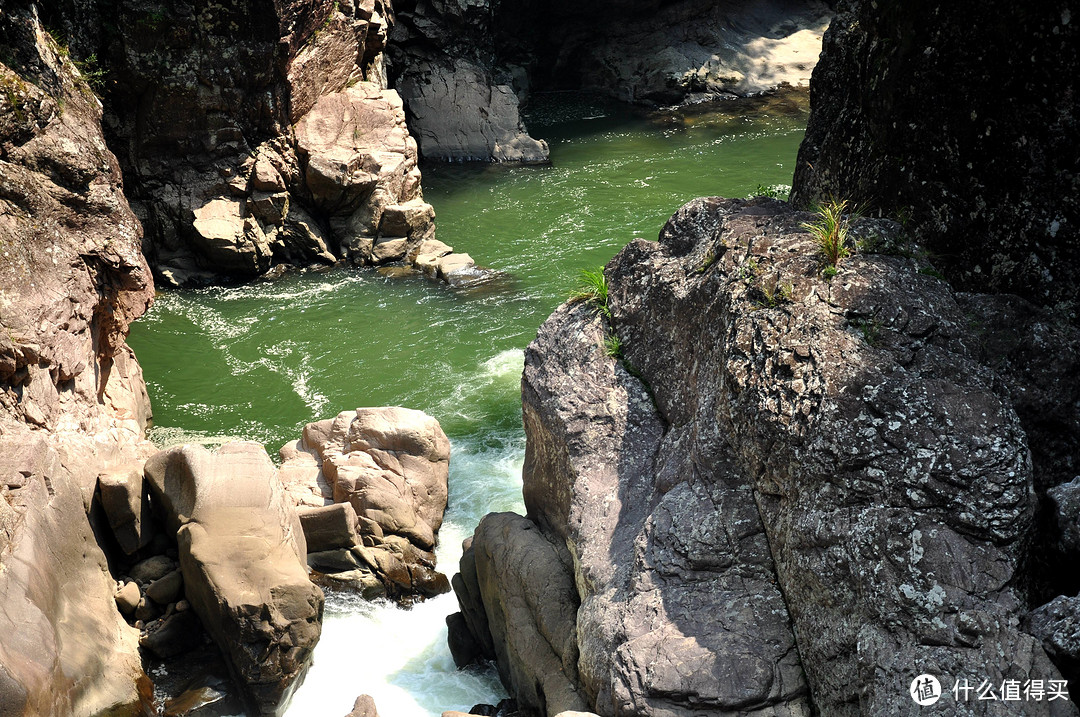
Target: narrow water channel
(259, 361)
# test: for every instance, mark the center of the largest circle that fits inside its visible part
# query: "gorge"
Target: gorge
(751, 487)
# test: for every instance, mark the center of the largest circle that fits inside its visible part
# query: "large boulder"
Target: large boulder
(460, 114)
(64, 647)
(779, 459)
(386, 469)
(243, 557)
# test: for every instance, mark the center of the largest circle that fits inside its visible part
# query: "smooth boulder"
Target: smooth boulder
(243, 558)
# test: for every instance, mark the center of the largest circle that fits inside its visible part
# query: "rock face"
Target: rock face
(255, 133)
(72, 400)
(658, 52)
(381, 474)
(462, 66)
(834, 469)
(243, 559)
(982, 170)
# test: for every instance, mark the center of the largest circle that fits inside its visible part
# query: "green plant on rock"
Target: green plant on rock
(776, 191)
(593, 289)
(775, 294)
(92, 73)
(613, 346)
(870, 330)
(830, 232)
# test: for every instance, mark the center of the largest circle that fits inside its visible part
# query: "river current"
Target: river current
(259, 361)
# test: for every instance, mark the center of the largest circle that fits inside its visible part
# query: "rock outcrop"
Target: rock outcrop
(243, 560)
(964, 126)
(254, 135)
(373, 486)
(789, 494)
(73, 404)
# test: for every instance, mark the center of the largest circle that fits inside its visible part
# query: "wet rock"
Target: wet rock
(242, 553)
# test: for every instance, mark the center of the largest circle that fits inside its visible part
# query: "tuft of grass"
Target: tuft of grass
(830, 232)
(931, 271)
(613, 346)
(92, 73)
(776, 294)
(593, 289)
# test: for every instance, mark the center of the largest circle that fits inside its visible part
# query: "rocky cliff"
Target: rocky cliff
(961, 119)
(254, 133)
(782, 494)
(463, 67)
(72, 400)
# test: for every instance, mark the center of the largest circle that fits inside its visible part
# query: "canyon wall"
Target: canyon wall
(254, 133)
(961, 120)
(72, 400)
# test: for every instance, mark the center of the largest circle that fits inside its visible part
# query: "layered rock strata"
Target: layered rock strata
(790, 494)
(372, 488)
(72, 401)
(983, 170)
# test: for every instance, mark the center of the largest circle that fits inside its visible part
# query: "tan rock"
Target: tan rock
(391, 249)
(243, 557)
(126, 507)
(363, 707)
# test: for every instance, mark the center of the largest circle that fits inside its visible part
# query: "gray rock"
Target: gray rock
(460, 113)
(1057, 626)
(1066, 505)
(1012, 226)
(530, 602)
(151, 569)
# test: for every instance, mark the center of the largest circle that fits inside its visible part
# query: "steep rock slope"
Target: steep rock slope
(961, 118)
(72, 400)
(809, 491)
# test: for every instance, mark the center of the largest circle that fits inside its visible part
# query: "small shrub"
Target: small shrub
(92, 73)
(775, 295)
(593, 289)
(931, 271)
(830, 231)
(870, 330)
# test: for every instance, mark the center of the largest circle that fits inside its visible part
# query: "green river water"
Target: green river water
(259, 361)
